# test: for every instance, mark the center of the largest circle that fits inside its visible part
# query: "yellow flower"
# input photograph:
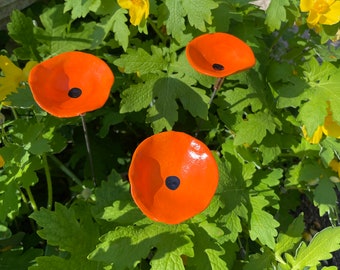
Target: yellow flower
(13, 76)
(335, 166)
(2, 161)
(316, 136)
(321, 11)
(138, 9)
(329, 128)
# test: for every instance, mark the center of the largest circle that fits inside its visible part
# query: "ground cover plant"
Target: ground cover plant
(273, 130)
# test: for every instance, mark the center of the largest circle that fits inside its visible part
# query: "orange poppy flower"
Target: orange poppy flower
(71, 84)
(173, 177)
(219, 54)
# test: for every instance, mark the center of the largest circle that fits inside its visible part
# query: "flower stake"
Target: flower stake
(71, 84)
(219, 55)
(173, 177)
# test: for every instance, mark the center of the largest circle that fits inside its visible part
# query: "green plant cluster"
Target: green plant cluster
(51, 216)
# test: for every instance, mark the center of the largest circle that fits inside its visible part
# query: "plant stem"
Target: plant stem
(31, 198)
(14, 113)
(87, 141)
(217, 86)
(23, 197)
(159, 33)
(66, 170)
(49, 183)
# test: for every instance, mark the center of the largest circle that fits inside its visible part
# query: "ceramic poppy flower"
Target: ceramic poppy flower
(219, 54)
(173, 177)
(71, 84)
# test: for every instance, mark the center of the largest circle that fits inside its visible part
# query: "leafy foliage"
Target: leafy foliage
(52, 216)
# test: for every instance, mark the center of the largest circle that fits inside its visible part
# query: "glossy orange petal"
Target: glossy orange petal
(219, 54)
(71, 84)
(173, 177)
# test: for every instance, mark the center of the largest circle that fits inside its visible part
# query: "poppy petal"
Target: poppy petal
(53, 82)
(219, 54)
(173, 177)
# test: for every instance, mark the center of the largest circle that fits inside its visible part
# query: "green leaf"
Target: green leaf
(270, 148)
(330, 89)
(139, 61)
(262, 224)
(325, 197)
(276, 14)
(126, 246)
(57, 37)
(138, 96)
(292, 93)
(320, 248)
(314, 71)
(163, 113)
(20, 165)
(312, 113)
(66, 229)
(23, 98)
(307, 172)
(193, 99)
(115, 22)
(18, 259)
(324, 90)
(240, 98)
(208, 251)
(173, 15)
(189, 75)
(233, 223)
(254, 128)
(120, 29)
(109, 191)
(264, 181)
(82, 8)
(199, 12)
(114, 203)
(286, 241)
(263, 261)
(110, 119)
(9, 199)
(20, 30)
(34, 140)
(330, 148)
(233, 195)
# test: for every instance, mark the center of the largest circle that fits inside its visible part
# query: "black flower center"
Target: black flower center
(74, 92)
(172, 182)
(218, 67)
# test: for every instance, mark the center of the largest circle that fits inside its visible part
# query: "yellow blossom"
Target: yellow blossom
(316, 136)
(138, 9)
(335, 166)
(13, 76)
(321, 11)
(2, 161)
(329, 128)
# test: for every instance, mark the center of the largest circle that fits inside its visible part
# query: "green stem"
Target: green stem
(31, 198)
(49, 183)
(88, 148)
(66, 170)
(14, 113)
(159, 33)
(23, 197)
